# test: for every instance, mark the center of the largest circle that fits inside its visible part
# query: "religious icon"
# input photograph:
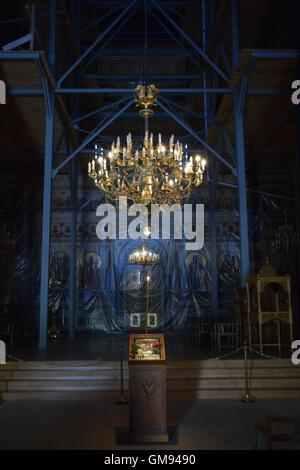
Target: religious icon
(59, 266)
(196, 264)
(152, 320)
(228, 267)
(135, 320)
(89, 264)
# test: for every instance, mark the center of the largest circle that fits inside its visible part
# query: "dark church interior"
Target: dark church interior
(169, 332)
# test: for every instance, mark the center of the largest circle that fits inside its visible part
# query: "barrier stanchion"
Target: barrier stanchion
(122, 400)
(247, 398)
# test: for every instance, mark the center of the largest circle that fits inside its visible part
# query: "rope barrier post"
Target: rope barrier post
(122, 400)
(247, 398)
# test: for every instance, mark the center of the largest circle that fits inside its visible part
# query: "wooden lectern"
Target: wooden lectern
(147, 388)
(279, 310)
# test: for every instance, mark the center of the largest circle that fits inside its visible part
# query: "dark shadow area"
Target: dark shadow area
(122, 437)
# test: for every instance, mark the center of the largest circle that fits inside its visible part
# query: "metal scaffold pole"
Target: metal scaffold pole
(46, 221)
(239, 97)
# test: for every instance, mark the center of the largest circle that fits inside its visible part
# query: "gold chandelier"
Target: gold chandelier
(155, 173)
(143, 256)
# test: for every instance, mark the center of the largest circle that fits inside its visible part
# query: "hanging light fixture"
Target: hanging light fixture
(143, 256)
(153, 173)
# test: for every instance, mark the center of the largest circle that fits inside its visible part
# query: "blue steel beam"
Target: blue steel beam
(111, 138)
(114, 33)
(229, 90)
(138, 52)
(224, 56)
(32, 16)
(103, 108)
(279, 54)
(19, 55)
(235, 186)
(94, 44)
(121, 4)
(25, 91)
(242, 94)
(126, 68)
(46, 218)
(86, 203)
(196, 136)
(73, 177)
(242, 194)
(65, 57)
(91, 137)
(98, 20)
(79, 129)
(14, 20)
(214, 83)
(18, 42)
(184, 18)
(73, 171)
(203, 15)
(106, 116)
(25, 18)
(134, 115)
(183, 108)
(173, 36)
(235, 34)
(121, 91)
(51, 52)
(204, 56)
(229, 145)
(58, 145)
(213, 170)
(129, 90)
(137, 78)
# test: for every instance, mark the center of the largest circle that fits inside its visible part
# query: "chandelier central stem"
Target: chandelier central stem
(146, 124)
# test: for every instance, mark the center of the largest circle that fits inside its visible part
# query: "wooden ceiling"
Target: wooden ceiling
(23, 119)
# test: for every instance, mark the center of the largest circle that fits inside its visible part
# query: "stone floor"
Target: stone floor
(179, 346)
(200, 424)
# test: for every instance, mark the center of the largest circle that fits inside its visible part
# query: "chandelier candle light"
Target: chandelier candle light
(155, 173)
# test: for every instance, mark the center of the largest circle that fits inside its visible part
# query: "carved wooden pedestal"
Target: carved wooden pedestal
(147, 382)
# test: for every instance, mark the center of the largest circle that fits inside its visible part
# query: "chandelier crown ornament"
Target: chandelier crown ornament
(155, 173)
(146, 96)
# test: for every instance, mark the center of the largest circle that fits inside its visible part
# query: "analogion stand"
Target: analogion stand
(147, 388)
(279, 312)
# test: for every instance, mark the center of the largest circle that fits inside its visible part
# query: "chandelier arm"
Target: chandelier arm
(156, 174)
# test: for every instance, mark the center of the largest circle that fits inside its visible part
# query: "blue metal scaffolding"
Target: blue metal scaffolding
(216, 83)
